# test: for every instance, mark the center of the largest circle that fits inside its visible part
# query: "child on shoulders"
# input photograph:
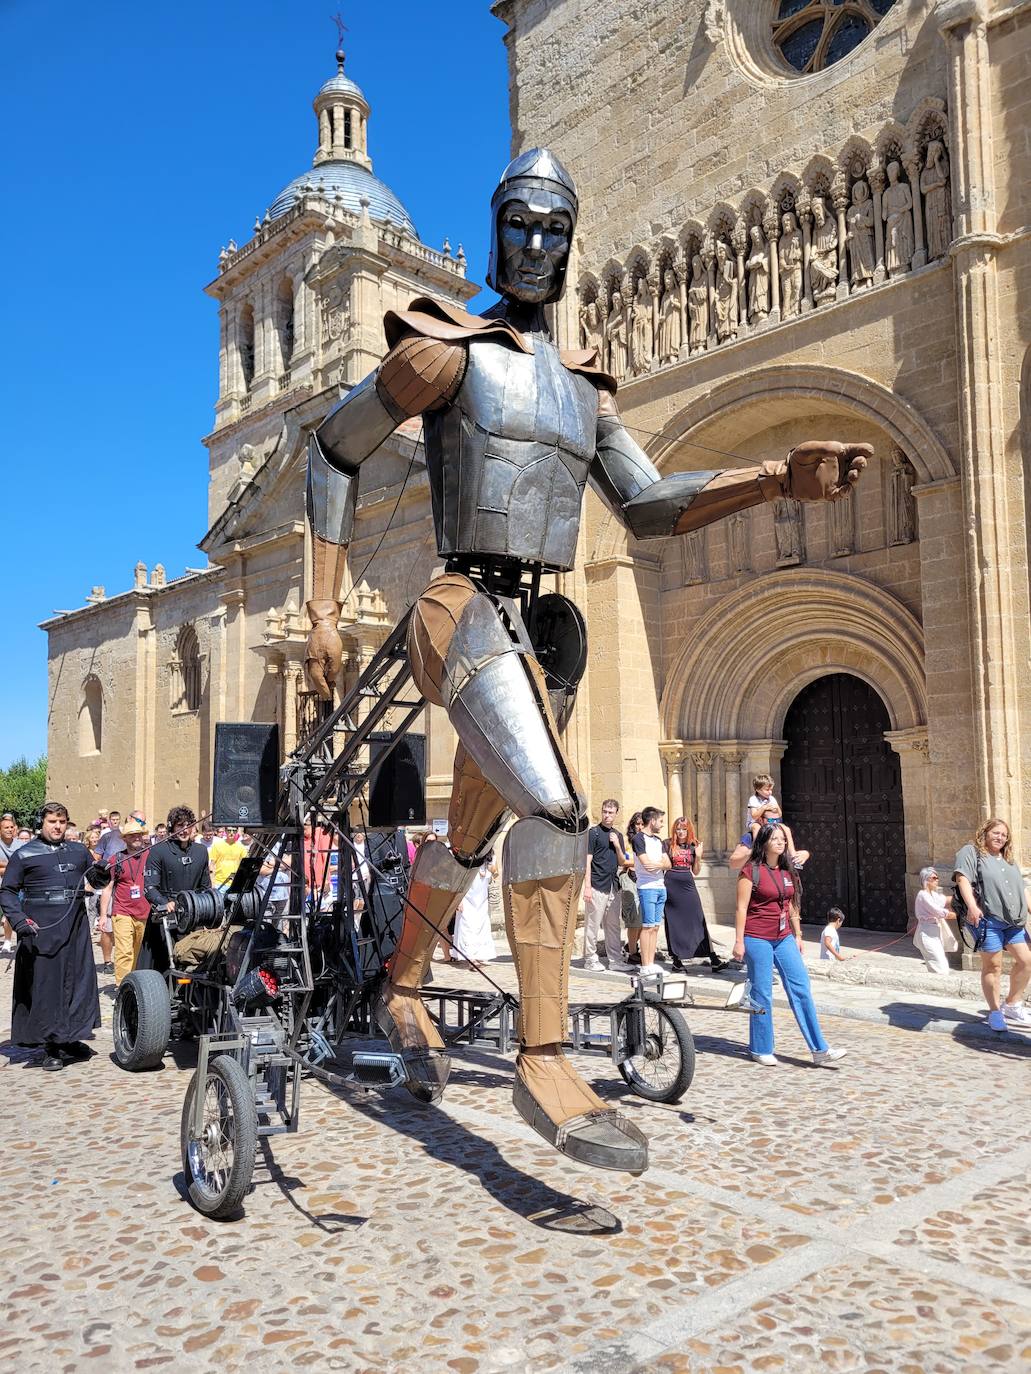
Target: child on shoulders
(764, 809)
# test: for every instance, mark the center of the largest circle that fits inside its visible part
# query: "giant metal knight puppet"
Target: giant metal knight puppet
(514, 430)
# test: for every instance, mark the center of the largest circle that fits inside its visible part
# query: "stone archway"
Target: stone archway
(729, 691)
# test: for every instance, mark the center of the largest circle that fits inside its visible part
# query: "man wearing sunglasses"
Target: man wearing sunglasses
(178, 864)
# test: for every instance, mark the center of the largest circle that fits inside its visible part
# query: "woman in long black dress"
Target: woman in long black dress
(686, 933)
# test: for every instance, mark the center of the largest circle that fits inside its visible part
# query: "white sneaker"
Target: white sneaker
(1020, 1014)
(996, 1020)
(650, 970)
(770, 1060)
(828, 1056)
(593, 965)
(8, 947)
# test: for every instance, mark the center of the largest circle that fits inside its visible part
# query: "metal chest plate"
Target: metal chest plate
(508, 459)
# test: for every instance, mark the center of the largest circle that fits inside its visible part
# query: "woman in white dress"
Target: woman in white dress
(472, 938)
(932, 935)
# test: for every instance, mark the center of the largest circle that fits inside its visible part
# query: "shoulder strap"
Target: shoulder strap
(755, 879)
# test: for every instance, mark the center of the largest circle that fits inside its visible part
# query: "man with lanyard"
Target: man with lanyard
(128, 905)
(176, 865)
(9, 842)
(55, 999)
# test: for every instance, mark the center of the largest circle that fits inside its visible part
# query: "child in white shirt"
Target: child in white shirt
(830, 942)
(764, 809)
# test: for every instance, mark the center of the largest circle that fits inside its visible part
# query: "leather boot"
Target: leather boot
(540, 916)
(437, 886)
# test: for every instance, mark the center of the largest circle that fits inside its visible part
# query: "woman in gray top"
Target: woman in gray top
(992, 887)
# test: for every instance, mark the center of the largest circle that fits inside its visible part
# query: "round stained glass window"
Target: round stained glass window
(813, 34)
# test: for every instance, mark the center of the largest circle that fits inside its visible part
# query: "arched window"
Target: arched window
(813, 34)
(285, 320)
(91, 717)
(247, 345)
(186, 671)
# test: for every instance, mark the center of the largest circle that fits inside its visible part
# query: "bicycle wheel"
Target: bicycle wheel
(663, 1068)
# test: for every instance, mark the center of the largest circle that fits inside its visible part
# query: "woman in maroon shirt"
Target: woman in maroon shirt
(768, 934)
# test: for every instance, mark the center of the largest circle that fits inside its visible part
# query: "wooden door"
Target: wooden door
(842, 798)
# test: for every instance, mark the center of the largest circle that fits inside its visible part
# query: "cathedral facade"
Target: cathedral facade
(799, 219)
(807, 219)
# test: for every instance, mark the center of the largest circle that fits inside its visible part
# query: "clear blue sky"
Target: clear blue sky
(138, 140)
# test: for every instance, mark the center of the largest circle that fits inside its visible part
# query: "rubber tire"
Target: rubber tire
(685, 1048)
(245, 1142)
(149, 991)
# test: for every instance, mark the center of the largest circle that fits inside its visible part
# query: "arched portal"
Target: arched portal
(842, 797)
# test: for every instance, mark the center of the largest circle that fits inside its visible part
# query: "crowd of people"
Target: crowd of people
(63, 885)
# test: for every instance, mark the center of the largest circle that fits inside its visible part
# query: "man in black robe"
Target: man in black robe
(177, 864)
(55, 999)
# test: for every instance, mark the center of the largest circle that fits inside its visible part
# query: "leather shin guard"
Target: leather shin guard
(437, 886)
(544, 871)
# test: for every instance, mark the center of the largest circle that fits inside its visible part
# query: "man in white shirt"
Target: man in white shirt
(650, 865)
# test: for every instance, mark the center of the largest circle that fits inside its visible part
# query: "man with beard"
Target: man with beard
(178, 864)
(55, 1000)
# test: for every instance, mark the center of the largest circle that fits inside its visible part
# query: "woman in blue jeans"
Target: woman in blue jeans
(768, 934)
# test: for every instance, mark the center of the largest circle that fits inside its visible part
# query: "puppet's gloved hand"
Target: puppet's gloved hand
(819, 470)
(325, 650)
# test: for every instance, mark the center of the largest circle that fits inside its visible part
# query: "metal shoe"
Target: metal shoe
(427, 1068)
(602, 1139)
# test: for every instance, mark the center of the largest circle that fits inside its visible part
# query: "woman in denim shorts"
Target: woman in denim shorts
(992, 887)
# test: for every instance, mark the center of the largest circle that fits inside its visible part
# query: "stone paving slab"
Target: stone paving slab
(803, 1219)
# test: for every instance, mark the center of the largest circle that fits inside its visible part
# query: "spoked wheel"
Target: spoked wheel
(219, 1161)
(663, 1066)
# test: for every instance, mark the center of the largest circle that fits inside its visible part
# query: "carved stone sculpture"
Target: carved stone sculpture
(897, 209)
(640, 330)
(697, 305)
(758, 267)
(843, 526)
(740, 543)
(726, 294)
(861, 237)
(789, 256)
(823, 253)
(671, 329)
(615, 338)
(901, 503)
(591, 333)
(693, 549)
(934, 183)
(789, 531)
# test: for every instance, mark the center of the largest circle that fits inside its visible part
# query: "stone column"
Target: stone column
(913, 172)
(917, 802)
(709, 263)
(683, 267)
(735, 808)
(293, 685)
(997, 738)
(771, 223)
(875, 176)
(739, 240)
(805, 223)
(703, 760)
(672, 755)
(839, 199)
(325, 137)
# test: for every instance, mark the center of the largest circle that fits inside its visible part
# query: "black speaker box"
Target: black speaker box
(397, 782)
(246, 774)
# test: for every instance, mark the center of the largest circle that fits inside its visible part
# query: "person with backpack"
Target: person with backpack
(768, 934)
(124, 896)
(990, 886)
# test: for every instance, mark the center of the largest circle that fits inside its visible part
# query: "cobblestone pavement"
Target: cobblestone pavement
(866, 1218)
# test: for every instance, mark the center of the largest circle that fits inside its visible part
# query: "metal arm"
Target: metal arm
(653, 506)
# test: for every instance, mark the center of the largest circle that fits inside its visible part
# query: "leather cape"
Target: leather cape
(434, 319)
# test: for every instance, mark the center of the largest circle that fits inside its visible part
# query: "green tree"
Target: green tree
(23, 789)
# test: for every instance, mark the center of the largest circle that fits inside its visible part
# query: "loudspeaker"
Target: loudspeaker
(246, 774)
(397, 784)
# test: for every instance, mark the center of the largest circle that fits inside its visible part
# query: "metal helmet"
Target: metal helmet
(539, 179)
